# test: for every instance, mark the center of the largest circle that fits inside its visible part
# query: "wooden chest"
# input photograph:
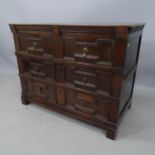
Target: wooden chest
(86, 72)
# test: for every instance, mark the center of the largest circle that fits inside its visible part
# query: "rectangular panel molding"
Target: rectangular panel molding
(85, 72)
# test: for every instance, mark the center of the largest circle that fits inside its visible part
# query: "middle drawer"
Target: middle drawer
(37, 68)
(78, 77)
(89, 79)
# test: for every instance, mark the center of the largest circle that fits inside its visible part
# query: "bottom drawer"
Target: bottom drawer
(87, 105)
(81, 104)
(40, 90)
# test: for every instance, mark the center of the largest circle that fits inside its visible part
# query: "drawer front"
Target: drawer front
(89, 48)
(40, 90)
(36, 44)
(37, 68)
(89, 79)
(87, 105)
(86, 79)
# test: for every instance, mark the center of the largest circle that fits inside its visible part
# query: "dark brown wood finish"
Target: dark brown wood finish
(87, 72)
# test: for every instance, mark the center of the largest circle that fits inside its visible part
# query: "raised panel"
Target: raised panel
(36, 44)
(99, 52)
(85, 78)
(88, 48)
(89, 79)
(40, 90)
(37, 68)
(87, 105)
(131, 54)
(126, 91)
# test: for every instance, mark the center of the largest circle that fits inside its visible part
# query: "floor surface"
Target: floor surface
(34, 130)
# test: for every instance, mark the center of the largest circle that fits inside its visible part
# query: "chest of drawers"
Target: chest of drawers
(86, 72)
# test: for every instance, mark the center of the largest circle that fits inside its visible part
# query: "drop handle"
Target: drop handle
(85, 51)
(34, 45)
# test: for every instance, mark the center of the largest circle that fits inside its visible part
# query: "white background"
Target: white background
(35, 130)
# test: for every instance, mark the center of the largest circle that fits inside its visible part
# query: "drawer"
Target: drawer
(89, 48)
(37, 68)
(39, 90)
(36, 44)
(89, 79)
(86, 79)
(87, 105)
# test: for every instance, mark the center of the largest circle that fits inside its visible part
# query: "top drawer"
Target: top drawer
(96, 48)
(36, 44)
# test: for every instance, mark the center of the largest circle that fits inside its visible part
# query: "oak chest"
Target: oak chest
(86, 72)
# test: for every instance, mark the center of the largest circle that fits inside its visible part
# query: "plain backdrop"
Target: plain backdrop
(31, 130)
(80, 12)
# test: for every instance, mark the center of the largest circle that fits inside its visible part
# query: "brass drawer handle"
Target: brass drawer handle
(85, 51)
(34, 46)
